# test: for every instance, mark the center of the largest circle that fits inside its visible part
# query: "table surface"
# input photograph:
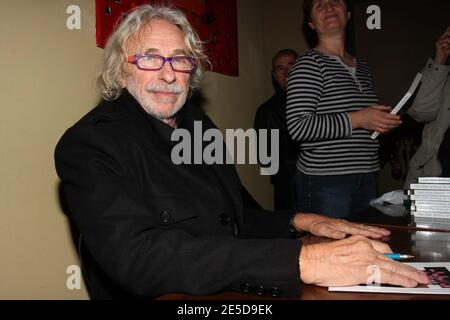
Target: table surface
(427, 244)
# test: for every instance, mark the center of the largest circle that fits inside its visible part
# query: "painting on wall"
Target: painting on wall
(214, 20)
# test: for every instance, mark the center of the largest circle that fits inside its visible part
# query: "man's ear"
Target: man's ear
(310, 24)
(349, 15)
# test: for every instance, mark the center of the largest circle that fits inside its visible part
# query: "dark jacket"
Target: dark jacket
(272, 115)
(150, 227)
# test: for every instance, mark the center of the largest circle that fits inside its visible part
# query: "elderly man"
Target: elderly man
(272, 115)
(149, 227)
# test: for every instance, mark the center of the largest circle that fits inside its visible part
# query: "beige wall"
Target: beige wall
(47, 83)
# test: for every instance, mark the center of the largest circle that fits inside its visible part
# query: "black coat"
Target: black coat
(272, 115)
(150, 227)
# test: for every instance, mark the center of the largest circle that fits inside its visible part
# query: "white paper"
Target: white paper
(425, 289)
(405, 99)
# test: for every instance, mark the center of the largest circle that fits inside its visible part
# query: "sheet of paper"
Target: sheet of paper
(405, 99)
(438, 272)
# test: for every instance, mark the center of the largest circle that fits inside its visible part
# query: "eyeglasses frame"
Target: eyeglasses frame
(134, 59)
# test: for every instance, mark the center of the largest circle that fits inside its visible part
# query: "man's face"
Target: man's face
(282, 65)
(161, 93)
(329, 16)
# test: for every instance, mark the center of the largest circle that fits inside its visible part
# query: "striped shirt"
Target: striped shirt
(321, 91)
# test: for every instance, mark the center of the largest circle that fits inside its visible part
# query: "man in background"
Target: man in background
(272, 115)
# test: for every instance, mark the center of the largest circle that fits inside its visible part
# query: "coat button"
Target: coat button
(165, 216)
(224, 219)
(261, 291)
(276, 292)
(246, 287)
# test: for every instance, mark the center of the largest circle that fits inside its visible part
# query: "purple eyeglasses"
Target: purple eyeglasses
(154, 62)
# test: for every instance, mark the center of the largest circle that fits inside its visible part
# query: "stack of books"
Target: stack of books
(430, 198)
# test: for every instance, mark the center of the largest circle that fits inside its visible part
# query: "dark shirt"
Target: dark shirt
(272, 115)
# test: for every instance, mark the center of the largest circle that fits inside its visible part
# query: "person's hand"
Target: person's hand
(375, 118)
(443, 47)
(353, 261)
(322, 226)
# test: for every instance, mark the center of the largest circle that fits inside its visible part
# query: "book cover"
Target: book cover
(438, 273)
(444, 180)
(404, 100)
(429, 186)
(428, 198)
(426, 203)
(426, 214)
(432, 209)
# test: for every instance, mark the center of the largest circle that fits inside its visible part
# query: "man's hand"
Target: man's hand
(348, 262)
(375, 118)
(443, 47)
(322, 226)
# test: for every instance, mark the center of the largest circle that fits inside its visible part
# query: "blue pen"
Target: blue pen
(398, 256)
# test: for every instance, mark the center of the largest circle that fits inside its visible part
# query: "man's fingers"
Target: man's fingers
(355, 229)
(396, 279)
(384, 232)
(328, 231)
(364, 230)
(402, 269)
(381, 247)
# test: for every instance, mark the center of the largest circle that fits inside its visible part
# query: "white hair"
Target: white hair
(109, 80)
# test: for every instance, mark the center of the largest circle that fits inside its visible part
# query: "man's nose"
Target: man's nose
(167, 74)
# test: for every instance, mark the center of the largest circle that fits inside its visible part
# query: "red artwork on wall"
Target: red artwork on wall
(214, 20)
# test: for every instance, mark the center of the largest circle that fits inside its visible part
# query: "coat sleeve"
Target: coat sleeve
(429, 98)
(125, 236)
(265, 224)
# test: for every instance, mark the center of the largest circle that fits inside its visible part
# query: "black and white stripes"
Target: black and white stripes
(321, 92)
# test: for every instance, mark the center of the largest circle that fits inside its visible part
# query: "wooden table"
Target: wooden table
(425, 244)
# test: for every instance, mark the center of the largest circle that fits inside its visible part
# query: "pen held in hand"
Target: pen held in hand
(398, 256)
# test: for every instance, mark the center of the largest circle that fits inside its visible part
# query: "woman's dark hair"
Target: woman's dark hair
(310, 34)
(307, 8)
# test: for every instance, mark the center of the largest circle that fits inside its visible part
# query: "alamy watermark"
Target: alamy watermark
(73, 21)
(374, 21)
(207, 147)
(73, 281)
(374, 279)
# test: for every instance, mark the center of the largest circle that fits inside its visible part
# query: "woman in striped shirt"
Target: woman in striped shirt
(332, 110)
